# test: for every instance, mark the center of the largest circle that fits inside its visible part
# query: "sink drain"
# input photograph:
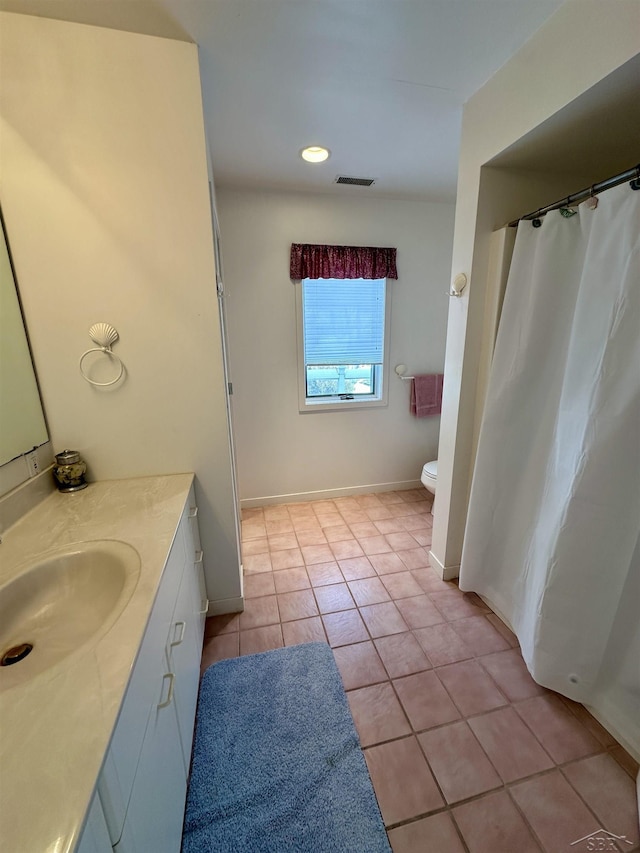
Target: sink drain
(15, 654)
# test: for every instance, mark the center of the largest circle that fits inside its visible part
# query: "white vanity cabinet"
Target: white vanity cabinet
(143, 782)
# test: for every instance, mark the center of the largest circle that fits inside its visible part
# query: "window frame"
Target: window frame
(307, 405)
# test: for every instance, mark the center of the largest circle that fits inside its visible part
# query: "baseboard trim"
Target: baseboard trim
(329, 494)
(226, 605)
(498, 612)
(622, 730)
(447, 573)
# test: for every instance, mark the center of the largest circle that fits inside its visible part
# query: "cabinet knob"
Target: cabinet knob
(171, 676)
(199, 555)
(205, 606)
(193, 512)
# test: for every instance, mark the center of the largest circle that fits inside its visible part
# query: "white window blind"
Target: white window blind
(343, 321)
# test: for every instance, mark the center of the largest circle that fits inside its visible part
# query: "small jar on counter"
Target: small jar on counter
(69, 471)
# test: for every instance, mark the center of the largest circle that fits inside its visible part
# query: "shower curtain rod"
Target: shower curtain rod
(594, 189)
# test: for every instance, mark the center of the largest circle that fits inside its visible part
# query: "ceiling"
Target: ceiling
(381, 83)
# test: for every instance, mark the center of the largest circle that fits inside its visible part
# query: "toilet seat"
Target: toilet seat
(430, 470)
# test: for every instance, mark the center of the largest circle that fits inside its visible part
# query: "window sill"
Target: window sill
(311, 406)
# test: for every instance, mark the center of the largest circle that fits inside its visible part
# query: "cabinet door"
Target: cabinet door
(117, 777)
(193, 547)
(156, 808)
(95, 835)
(185, 653)
(203, 601)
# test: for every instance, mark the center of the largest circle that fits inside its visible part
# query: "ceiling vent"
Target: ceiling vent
(355, 182)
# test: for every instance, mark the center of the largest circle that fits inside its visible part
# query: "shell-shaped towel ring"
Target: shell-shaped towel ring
(104, 335)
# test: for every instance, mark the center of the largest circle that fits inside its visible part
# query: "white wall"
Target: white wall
(105, 196)
(282, 453)
(534, 86)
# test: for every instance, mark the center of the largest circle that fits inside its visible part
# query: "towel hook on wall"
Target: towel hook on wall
(458, 285)
(104, 335)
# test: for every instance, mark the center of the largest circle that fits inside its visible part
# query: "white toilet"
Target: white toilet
(429, 479)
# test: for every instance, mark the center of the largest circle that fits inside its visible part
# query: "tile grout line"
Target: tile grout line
(604, 748)
(508, 703)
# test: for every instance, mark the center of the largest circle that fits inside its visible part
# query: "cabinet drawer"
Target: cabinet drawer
(193, 534)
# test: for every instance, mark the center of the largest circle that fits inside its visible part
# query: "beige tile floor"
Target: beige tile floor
(466, 752)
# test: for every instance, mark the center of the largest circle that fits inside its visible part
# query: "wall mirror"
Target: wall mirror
(22, 423)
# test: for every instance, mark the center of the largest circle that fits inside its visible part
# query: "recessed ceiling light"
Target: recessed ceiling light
(315, 154)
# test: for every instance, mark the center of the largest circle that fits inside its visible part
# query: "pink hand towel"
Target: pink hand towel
(426, 395)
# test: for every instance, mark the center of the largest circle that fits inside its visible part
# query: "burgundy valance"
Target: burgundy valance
(309, 260)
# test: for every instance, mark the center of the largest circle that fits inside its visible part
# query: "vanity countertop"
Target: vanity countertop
(56, 727)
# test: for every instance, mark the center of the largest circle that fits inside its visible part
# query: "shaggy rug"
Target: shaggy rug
(277, 764)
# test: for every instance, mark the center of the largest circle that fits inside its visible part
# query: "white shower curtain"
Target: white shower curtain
(554, 517)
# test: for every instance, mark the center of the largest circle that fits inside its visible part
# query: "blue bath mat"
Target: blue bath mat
(277, 765)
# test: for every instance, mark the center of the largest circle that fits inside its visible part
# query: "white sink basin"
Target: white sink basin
(62, 603)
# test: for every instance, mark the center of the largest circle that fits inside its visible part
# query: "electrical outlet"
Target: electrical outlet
(33, 466)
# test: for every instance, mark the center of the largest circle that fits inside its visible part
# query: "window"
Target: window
(342, 343)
